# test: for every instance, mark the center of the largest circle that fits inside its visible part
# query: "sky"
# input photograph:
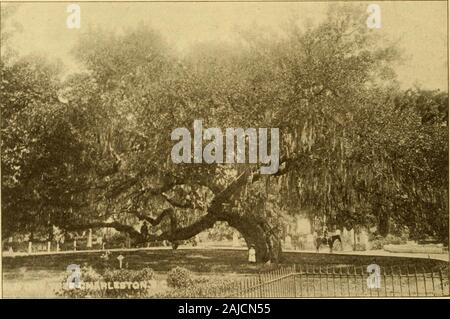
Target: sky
(420, 27)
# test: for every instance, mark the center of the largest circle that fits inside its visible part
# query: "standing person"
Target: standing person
(252, 254)
(104, 241)
(144, 231)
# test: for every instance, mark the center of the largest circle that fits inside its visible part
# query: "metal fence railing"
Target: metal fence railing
(319, 281)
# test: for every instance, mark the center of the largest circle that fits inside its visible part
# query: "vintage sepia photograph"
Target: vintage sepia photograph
(224, 149)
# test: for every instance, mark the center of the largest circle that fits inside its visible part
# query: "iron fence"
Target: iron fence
(346, 281)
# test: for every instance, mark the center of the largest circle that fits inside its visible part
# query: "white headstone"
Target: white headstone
(288, 242)
(235, 239)
(252, 255)
(120, 258)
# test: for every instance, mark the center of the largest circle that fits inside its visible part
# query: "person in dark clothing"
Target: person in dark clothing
(144, 231)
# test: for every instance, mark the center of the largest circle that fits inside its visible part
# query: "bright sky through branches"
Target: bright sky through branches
(419, 27)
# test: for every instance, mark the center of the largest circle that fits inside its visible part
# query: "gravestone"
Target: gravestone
(288, 242)
(235, 239)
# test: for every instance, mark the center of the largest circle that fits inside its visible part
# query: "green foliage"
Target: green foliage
(179, 277)
(379, 241)
(43, 159)
(88, 274)
(95, 147)
(220, 231)
(117, 240)
(203, 287)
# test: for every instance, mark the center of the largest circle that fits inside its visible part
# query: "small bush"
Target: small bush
(395, 240)
(88, 274)
(202, 287)
(125, 275)
(379, 241)
(179, 277)
(117, 240)
(128, 275)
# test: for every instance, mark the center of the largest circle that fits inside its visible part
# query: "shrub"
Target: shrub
(379, 241)
(117, 240)
(202, 287)
(127, 276)
(88, 274)
(394, 240)
(179, 277)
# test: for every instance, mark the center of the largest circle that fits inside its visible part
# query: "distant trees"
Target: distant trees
(42, 155)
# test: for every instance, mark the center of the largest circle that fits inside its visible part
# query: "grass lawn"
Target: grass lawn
(36, 276)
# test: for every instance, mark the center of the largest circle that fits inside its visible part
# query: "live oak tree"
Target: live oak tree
(42, 154)
(351, 154)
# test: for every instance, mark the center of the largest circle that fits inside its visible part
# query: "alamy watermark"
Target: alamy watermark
(374, 279)
(74, 281)
(241, 146)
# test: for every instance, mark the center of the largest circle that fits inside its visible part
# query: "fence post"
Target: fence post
(432, 281)
(246, 285)
(260, 285)
(300, 270)
(425, 281)
(280, 282)
(415, 276)
(320, 281)
(253, 287)
(442, 281)
(347, 275)
(314, 280)
(392, 282)
(307, 280)
(378, 289)
(407, 276)
(362, 281)
(294, 275)
(326, 279)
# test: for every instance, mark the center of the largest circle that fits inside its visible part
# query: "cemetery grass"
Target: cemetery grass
(34, 276)
(206, 261)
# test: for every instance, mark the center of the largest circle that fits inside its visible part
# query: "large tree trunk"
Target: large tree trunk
(259, 234)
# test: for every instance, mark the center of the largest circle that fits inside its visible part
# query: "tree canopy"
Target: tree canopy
(93, 150)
